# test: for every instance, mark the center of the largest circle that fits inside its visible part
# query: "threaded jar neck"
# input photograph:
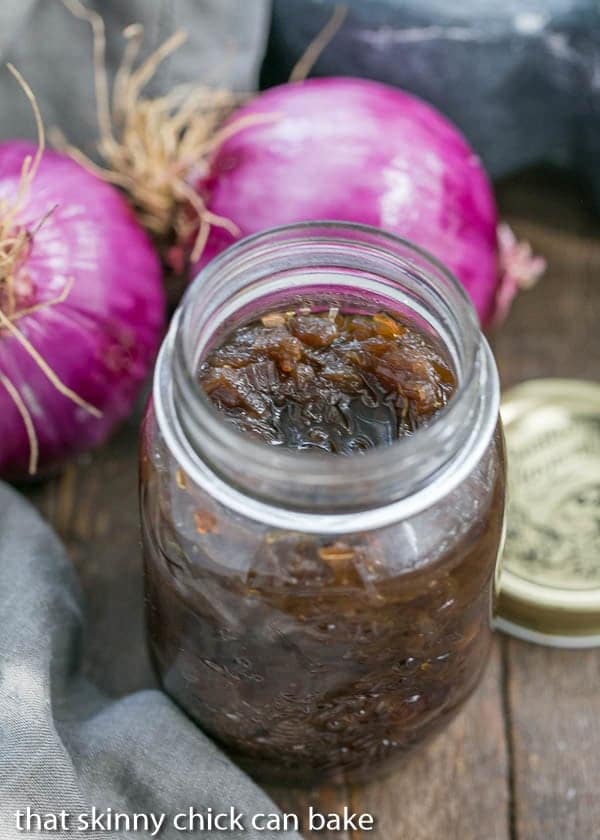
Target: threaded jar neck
(325, 264)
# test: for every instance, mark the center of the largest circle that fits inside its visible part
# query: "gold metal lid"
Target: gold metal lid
(550, 576)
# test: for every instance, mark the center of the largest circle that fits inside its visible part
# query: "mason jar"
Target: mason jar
(319, 615)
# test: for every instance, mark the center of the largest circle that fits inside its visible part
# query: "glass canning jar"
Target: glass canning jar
(320, 615)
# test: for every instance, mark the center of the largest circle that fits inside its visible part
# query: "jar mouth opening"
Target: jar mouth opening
(322, 466)
(309, 480)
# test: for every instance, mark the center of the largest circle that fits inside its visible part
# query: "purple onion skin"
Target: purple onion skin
(102, 340)
(360, 151)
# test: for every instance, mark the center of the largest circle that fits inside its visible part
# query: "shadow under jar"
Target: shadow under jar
(319, 615)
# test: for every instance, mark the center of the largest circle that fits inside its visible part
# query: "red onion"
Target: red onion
(81, 309)
(310, 150)
(361, 151)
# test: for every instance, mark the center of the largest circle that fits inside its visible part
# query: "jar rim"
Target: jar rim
(318, 479)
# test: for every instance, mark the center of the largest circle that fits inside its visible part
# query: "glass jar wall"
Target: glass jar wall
(320, 615)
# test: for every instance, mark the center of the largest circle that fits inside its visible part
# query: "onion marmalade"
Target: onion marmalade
(340, 383)
(322, 497)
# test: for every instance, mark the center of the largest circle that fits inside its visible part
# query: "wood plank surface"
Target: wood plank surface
(522, 760)
(457, 787)
(555, 728)
(553, 329)
(93, 506)
(553, 696)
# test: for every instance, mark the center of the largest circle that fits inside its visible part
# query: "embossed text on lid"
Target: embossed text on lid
(550, 581)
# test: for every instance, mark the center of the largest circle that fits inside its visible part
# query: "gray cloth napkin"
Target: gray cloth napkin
(53, 50)
(63, 745)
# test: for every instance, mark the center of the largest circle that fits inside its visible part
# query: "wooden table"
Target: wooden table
(522, 760)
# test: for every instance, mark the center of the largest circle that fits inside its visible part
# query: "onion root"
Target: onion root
(15, 243)
(157, 149)
(519, 269)
(154, 148)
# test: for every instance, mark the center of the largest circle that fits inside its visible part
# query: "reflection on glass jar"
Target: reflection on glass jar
(320, 615)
